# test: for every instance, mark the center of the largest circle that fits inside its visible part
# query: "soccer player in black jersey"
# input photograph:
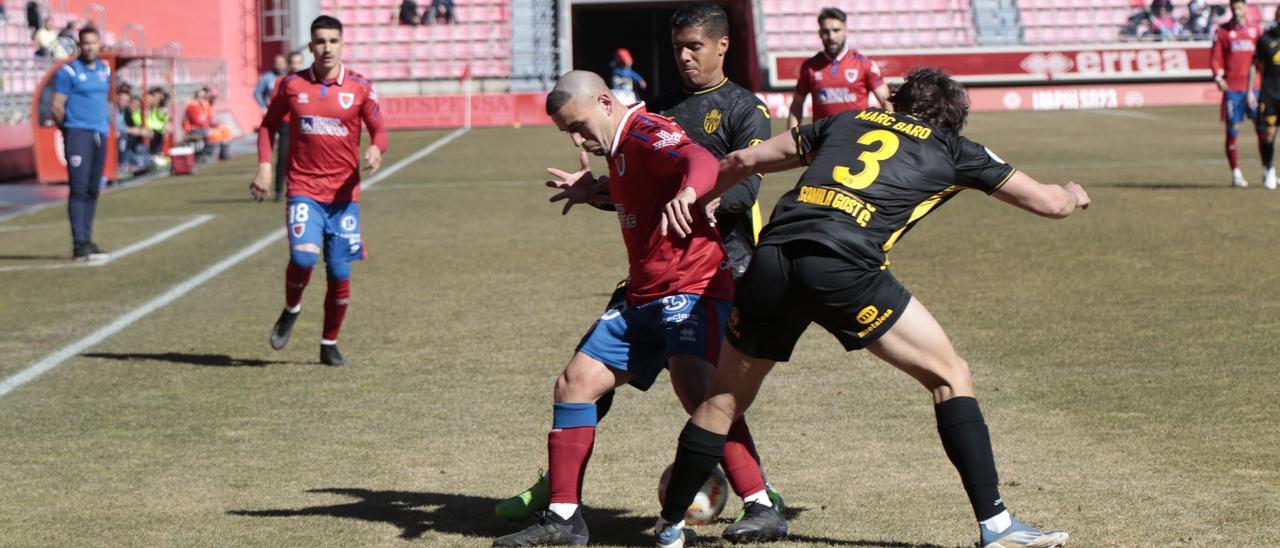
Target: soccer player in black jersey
(1266, 61)
(871, 176)
(722, 117)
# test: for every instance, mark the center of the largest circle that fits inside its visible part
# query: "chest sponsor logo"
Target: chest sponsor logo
(346, 100)
(303, 98)
(835, 96)
(320, 125)
(711, 122)
(667, 139)
(851, 75)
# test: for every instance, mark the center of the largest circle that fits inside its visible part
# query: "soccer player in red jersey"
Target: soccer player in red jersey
(326, 105)
(838, 77)
(1230, 58)
(677, 301)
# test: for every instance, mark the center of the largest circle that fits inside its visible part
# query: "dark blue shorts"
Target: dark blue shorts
(333, 227)
(1235, 107)
(639, 340)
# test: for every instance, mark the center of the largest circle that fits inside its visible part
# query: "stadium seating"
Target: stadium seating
(384, 49)
(791, 25)
(1046, 22)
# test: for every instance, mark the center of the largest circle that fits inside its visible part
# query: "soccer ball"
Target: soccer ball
(709, 502)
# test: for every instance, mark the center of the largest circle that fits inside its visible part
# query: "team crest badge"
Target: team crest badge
(620, 162)
(346, 99)
(303, 98)
(851, 75)
(75, 161)
(298, 229)
(712, 122)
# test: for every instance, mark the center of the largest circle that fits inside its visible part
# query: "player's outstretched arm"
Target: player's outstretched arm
(776, 154)
(578, 187)
(1051, 201)
(699, 169)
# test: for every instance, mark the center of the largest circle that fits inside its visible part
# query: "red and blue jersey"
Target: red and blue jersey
(839, 83)
(652, 159)
(1232, 53)
(324, 132)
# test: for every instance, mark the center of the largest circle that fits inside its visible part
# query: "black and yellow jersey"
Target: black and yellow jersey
(871, 176)
(1267, 56)
(724, 118)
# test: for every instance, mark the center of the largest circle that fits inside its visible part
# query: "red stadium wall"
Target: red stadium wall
(217, 29)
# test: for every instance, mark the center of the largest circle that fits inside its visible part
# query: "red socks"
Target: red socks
(335, 307)
(1233, 155)
(568, 450)
(741, 466)
(295, 280)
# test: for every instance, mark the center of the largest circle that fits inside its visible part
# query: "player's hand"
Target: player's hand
(1082, 197)
(575, 188)
(677, 216)
(1222, 84)
(1251, 100)
(261, 184)
(372, 159)
(711, 208)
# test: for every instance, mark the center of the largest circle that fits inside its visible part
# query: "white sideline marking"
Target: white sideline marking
(119, 324)
(120, 253)
(63, 224)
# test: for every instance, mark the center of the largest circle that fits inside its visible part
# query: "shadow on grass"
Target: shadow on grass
(1161, 186)
(216, 201)
(206, 360)
(868, 543)
(417, 513)
(33, 257)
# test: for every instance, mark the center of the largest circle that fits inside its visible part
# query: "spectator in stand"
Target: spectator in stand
(158, 121)
(34, 16)
(409, 13)
(219, 134)
(129, 134)
(624, 80)
(196, 120)
(262, 93)
(1162, 24)
(68, 32)
(441, 11)
(46, 42)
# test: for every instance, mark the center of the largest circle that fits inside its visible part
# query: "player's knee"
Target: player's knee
(1233, 131)
(338, 270)
(953, 373)
(304, 255)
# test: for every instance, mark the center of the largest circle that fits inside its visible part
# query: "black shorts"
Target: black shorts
(1268, 112)
(790, 285)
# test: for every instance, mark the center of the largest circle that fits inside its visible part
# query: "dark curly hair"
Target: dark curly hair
(933, 96)
(712, 18)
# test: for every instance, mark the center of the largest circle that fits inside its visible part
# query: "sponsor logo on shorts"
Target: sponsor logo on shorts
(868, 315)
(75, 160)
(875, 324)
(320, 125)
(349, 223)
(688, 334)
(675, 303)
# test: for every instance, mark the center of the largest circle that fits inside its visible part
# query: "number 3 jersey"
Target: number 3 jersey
(873, 175)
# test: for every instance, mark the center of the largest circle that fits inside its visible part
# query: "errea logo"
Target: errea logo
(667, 139)
(868, 315)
